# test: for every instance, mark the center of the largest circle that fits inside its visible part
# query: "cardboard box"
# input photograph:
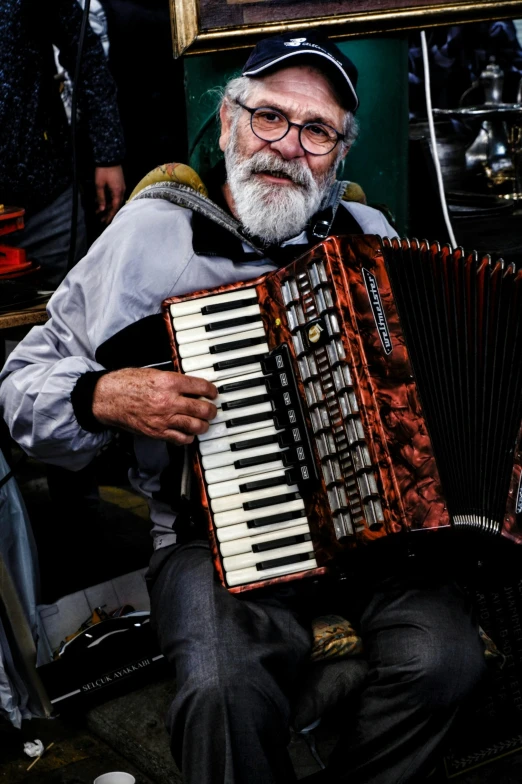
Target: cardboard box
(107, 658)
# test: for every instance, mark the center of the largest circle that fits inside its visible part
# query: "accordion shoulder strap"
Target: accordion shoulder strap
(324, 222)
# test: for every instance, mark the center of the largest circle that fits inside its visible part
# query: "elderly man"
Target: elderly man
(286, 124)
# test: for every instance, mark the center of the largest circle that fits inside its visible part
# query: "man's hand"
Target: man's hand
(157, 403)
(110, 190)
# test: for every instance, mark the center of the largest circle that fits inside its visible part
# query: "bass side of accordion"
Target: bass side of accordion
(320, 443)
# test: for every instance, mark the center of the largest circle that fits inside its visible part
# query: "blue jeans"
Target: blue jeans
(239, 658)
(46, 239)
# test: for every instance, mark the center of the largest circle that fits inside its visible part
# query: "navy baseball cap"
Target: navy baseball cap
(279, 51)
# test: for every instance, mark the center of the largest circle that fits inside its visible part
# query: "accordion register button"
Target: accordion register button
(312, 366)
(355, 434)
(360, 457)
(331, 472)
(365, 486)
(286, 292)
(342, 378)
(325, 445)
(373, 515)
(294, 288)
(335, 351)
(320, 419)
(332, 325)
(299, 346)
(323, 300)
(304, 369)
(337, 498)
(343, 525)
(295, 317)
(317, 274)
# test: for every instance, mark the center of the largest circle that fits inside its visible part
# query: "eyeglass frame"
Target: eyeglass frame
(341, 137)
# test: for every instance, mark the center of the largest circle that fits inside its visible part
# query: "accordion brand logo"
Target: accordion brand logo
(314, 333)
(370, 282)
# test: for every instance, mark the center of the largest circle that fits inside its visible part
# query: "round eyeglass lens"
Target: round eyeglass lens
(271, 126)
(318, 138)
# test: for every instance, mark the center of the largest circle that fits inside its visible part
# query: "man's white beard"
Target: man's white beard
(273, 212)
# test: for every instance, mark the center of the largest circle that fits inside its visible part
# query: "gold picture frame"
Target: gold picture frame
(217, 25)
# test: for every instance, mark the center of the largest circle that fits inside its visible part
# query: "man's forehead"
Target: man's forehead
(302, 89)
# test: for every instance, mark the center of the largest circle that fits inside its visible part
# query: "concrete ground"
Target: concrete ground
(107, 538)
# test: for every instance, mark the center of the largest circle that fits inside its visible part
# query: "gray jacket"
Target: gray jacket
(144, 256)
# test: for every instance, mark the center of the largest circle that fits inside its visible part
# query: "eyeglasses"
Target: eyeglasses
(271, 125)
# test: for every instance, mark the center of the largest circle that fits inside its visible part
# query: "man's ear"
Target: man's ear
(226, 125)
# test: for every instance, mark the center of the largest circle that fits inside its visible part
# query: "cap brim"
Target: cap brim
(305, 52)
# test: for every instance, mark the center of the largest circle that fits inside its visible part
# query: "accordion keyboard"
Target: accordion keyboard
(256, 453)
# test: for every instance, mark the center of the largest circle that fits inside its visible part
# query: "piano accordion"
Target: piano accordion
(369, 388)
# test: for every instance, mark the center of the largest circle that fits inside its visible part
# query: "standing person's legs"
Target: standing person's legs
(425, 657)
(46, 238)
(237, 661)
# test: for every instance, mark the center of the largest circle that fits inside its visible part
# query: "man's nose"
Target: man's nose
(289, 146)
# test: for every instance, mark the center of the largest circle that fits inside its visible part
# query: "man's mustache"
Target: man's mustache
(260, 162)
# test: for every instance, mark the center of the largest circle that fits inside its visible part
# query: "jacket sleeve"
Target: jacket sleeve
(96, 90)
(124, 278)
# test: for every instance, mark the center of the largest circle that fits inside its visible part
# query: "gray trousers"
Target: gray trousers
(239, 658)
(46, 238)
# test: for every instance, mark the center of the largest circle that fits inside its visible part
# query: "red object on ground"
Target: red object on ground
(13, 261)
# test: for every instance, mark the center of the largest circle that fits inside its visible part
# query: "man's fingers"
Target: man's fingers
(201, 409)
(199, 387)
(177, 437)
(188, 424)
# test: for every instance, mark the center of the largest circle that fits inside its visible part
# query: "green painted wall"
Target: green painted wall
(378, 160)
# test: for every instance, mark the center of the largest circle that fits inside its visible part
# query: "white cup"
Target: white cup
(115, 777)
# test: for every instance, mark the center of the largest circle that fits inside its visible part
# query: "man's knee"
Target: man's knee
(443, 672)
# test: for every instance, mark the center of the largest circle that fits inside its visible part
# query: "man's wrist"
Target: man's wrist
(82, 399)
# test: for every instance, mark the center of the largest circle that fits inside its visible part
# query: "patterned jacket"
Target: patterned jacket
(35, 155)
